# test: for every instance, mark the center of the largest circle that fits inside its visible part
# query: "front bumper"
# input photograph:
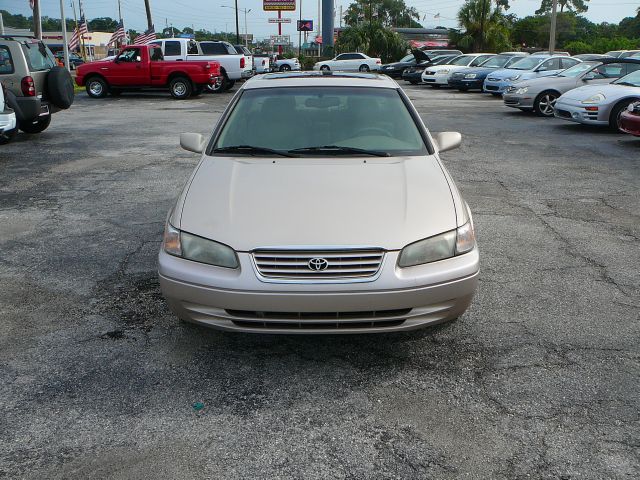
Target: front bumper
(525, 102)
(7, 120)
(575, 111)
(630, 123)
(412, 76)
(396, 300)
(468, 84)
(495, 86)
(436, 79)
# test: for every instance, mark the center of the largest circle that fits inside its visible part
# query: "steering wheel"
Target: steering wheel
(372, 131)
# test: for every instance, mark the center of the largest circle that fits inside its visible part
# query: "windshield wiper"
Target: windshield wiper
(339, 149)
(251, 149)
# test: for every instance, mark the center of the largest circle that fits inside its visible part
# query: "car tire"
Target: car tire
(364, 68)
(37, 126)
(228, 85)
(614, 118)
(285, 68)
(544, 103)
(8, 135)
(96, 87)
(180, 88)
(325, 68)
(60, 87)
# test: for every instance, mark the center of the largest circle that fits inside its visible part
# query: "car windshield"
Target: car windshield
(613, 53)
(38, 56)
(527, 63)
(291, 118)
(462, 60)
(631, 80)
(497, 61)
(577, 69)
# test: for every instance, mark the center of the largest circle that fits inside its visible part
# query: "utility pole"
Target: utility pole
(1, 25)
(237, 26)
(552, 33)
(65, 44)
(246, 44)
(482, 22)
(300, 32)
(147, 7)
(37, 20)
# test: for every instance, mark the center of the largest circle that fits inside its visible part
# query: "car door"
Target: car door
(126, 69)
(338, 62)
(549, 67)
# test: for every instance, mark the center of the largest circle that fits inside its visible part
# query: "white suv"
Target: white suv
(8, 126)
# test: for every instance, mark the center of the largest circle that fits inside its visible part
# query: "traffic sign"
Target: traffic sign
(305, 25)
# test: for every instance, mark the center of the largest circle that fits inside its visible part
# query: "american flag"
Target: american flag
(146, 37)
(74, 43)
(118, 35)
(84, 30)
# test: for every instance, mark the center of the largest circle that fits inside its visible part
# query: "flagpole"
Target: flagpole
(37, 20)
(123, 41)
(82, 18)
(65, 45)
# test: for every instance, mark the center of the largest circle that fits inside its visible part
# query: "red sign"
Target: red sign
(274, 5)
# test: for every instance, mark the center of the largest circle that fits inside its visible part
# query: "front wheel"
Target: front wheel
(364, 68)
(37, 126)
(616, 113)
(285, 68)
(325, 68)
(545, 103)
(97, 87)
(180, 88)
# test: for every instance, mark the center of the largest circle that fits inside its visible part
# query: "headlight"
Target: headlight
(597, 98)
(521, 90)
(198, 249)
(439, 247)
(444, 70)
(470, 75)
(515, 77)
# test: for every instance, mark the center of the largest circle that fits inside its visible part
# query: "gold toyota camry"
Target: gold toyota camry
(320, 205)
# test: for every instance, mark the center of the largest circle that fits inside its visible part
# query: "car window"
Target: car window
(172, 48)
(192, 48)
(155, 54)
(611, 70)
(302, 117)
(341, 57)
(631, 67)
(568, 62)
(214, 49)
(480, 60)
(526, 63)
(6, 62)
(39, 57)
(462, 60)
(551, 64)
(577, 69)
(628, 54)
(130, 55)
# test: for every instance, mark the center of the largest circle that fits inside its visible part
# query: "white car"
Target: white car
(438, 75)
(8, 124)
(350, 62)
(286, 64)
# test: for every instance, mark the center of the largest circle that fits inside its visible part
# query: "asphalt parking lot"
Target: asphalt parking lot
(539, 379)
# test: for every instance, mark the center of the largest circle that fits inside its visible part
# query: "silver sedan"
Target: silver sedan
(540, 94)
(320, 205)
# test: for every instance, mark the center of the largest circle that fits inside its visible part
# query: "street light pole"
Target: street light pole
(245, 27)
(552, 33)
(237, 26)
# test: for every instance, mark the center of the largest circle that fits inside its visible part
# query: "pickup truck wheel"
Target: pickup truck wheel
(285, 68)
(97, 87)
(180, 88)
(37, 126)
(228, 84)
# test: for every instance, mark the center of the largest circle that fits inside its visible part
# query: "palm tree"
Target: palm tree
(485, 26)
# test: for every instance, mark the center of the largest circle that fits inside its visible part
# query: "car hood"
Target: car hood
(250, 203)
(508, 73)
(612, 92)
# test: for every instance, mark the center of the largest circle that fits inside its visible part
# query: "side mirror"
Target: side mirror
(589, 76)
(447, 140)
(192, 142)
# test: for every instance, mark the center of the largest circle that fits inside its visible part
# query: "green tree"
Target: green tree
(389, 13)
(485, 27)
(102, 24)
(577, 6)
(374, 39)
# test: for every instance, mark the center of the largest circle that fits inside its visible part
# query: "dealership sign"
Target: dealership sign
(280, 39)
(273, 5)
(305, 25)
(279, 20)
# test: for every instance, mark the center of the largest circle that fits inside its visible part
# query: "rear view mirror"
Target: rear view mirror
(447, 140)
(192, 142)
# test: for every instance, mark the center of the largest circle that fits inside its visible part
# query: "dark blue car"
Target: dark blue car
(473, 77)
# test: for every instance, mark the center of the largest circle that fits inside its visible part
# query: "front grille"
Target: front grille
(457, 75)
(490, 87)
(508, 101)
(318, 320)
(563, 113)
(318, 264)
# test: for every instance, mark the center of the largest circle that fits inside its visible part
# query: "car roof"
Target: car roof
(316, 78)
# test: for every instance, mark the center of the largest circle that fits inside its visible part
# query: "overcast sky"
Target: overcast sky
(209, 14)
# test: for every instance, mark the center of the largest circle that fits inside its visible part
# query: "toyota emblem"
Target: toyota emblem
(318, 264)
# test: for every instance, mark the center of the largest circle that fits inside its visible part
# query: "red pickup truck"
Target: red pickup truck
(139, 67)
